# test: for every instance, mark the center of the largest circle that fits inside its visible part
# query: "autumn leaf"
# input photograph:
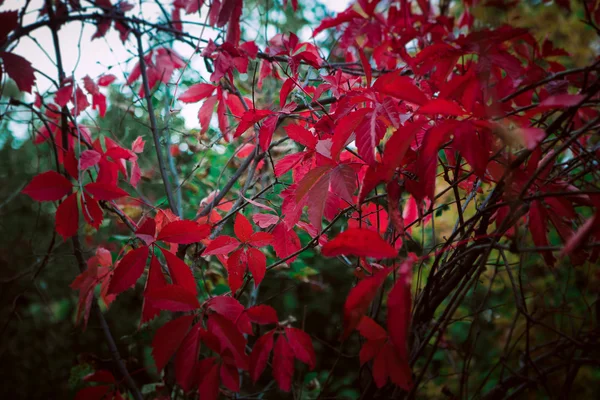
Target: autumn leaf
(359, 242)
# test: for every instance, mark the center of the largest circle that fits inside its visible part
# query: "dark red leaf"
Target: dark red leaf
(186, 359)
(230, 338)
(236, 267)
(9, 21)
(260, 355)
(302, 346)
(398, 317)
(181, 273)
(183, 232)
(92, 213)
(105, 191)
(208, 374)
(93, 393)
(128, 270)
(156, 280)
(359, 299)
(172, 298)
(19, 70)
(262, 314)
(67, 217)
(257, 264)
(48, 186)
(283, 363)
(230, 377)
(102, 376)
(168, 338)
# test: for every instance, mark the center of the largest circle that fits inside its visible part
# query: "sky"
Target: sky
(95, 58)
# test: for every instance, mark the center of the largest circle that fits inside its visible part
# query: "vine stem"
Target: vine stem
(154, 126)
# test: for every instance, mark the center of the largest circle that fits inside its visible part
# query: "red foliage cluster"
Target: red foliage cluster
(478, 95)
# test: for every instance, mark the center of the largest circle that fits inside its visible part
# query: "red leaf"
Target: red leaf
(380, 370)
(48, 186)
(260, 239)
(67, 217)
(183, 232)
(343, 130)
(221, 245)
(359, 242)
(302, 346)
(401, 87)
(92, 213)
(230, 338)
(138, 145)
(287, 163)
(128, 270)
(208, 373)
(310, 180)
(283, 364)
(287, 86)
(262, 314)
(442, 107)
(19, 70)
(265, 135)
(230, 377)
(398, 317)
(186, 359)
(205, 113)
(265, 220)
(181, 274)
(257, 264)
(106, 80)
(369, 133)
(227, 306)
(147, 231)
(260, 355)
(343, 182)
(359, 299)
(236, 267)
(250, 118)
(105, 191)
(285, 242)
(370, 329)
(302, 136)
(197, 92)
(168, 338)
(9, 21)
(101, 376)
(156, 280)
(242, 228)
(88, 158)
(172, 298)
(397, 367)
